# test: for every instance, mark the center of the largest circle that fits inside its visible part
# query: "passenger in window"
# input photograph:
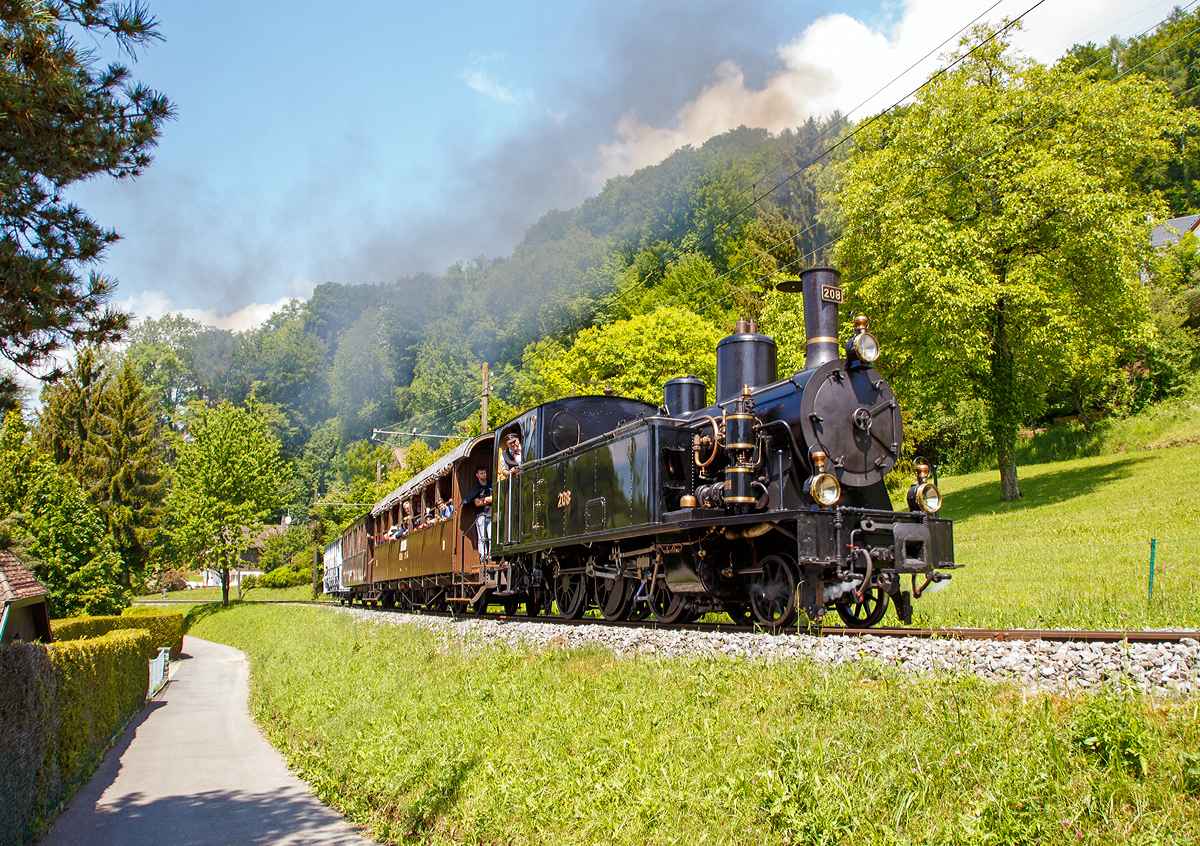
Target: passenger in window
(481, 497)
(510, 457)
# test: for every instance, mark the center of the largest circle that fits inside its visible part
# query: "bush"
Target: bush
(166, 629)
(286, 577)
(61, 706)
(172, 580)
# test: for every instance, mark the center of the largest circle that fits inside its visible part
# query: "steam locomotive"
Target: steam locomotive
(768, 502)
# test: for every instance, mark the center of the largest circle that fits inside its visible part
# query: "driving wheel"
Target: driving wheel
(571, 595)
(668, 607)
(773, 593)
(614, 597)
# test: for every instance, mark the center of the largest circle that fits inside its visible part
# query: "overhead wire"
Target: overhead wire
(792, 238)
(899, 176)
(534, 356)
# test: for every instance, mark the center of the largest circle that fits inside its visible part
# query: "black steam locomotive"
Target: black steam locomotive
(768, 502)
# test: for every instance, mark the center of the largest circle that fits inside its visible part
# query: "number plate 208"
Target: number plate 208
(831, 293)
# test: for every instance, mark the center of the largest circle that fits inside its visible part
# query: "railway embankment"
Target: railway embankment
(420, 734)
(1159, 668)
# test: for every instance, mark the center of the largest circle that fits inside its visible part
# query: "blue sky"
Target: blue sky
(364, 141)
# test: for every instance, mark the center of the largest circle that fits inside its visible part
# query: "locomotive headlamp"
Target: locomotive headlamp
(824, 489)
(864, 344)
(821, 486)
(924, 495)
(927, 497)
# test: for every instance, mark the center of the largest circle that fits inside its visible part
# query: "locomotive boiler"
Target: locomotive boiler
(764, 503)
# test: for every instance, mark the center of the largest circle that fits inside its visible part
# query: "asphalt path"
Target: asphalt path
(193, 769)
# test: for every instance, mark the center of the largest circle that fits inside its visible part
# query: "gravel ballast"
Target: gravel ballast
(1064, 667)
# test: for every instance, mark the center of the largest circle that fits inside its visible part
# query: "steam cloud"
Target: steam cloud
(641, 80)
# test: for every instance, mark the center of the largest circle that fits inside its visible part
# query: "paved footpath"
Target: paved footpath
(193, 769)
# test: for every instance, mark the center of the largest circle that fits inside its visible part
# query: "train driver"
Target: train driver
(510, 457)
(481, 497)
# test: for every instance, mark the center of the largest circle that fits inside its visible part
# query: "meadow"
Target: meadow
(296, 593)
(1074, 551)
(423, 741)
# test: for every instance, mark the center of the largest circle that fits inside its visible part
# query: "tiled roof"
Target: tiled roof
(16, 582)
(1174, 229)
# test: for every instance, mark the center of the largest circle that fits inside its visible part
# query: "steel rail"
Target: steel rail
(1050, 635)
(1003, 635)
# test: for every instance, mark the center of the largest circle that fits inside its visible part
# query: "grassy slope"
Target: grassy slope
(428, 743)
(258, 594)
(1075, 549)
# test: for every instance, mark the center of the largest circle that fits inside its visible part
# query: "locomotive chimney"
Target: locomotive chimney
(822, 291)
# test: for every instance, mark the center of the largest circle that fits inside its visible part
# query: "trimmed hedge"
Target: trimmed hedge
(165, 629)
(61, 706)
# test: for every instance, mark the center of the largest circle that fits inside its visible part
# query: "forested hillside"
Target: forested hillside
(996, 228)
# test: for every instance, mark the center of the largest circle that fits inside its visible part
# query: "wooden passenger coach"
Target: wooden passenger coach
(435, 560)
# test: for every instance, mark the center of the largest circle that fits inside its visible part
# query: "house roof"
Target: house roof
(1174, 229)
(16, 582)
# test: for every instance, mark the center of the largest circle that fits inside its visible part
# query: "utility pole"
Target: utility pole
(317, 580)
(483, 425)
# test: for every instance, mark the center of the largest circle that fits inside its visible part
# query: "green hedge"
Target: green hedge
(165, 629)
(61, 706)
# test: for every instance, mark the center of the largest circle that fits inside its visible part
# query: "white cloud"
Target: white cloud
(481, 81)
(154, 304)
(839, 62)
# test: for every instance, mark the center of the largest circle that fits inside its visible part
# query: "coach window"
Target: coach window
(564, 431)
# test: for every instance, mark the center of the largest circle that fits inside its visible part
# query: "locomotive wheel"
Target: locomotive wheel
(739, 612)
(863, 615)
(510, 607)
(639, 610)
(668, 607)
(480, 606)
(571, 595)
(614, 598)
(773, 593)
(533, 607)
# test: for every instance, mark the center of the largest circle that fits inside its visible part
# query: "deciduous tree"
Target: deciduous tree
(994, 223)
(226, 483)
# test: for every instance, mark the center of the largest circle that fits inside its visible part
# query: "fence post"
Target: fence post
(1150, 586)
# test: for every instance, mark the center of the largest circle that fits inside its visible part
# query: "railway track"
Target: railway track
(1052, 635)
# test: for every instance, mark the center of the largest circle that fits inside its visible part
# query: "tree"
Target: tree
(162, 352)
(17, 462)
(64, 120)
(226, 482)
(634, 356)
(123, 470)
(69, 411)
(995, 223)
(73, 555)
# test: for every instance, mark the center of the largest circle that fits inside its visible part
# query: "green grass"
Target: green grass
(429, 743)
(1172, 423)
(257, 594)
(1074, 551)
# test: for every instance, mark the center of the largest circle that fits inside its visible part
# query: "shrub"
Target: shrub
(172, 580)
(166, 629)
(61, 706)
(286, 577)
